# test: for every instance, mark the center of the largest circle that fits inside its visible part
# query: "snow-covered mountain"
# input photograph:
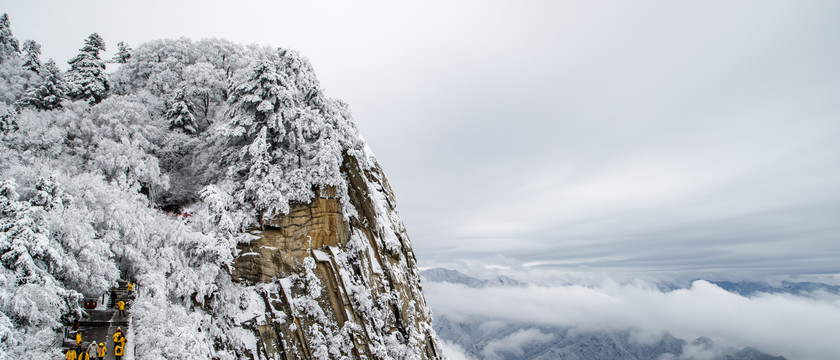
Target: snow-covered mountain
(457, 277)
(749, 288)
(223, 181)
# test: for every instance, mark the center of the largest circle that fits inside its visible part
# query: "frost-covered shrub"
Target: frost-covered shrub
(15, 80)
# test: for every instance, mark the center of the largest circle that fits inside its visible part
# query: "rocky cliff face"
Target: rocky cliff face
(336, 278)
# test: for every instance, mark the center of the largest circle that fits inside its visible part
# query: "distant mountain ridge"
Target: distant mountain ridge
(743, 288)
(456, 277)
(750, 288)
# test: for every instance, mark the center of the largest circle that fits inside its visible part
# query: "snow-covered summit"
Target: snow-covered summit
(241, 199)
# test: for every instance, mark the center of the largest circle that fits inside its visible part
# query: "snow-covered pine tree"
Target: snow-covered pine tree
(284, 139)
(260, 136)
(7, 119)
(9, 46)
(14, 80)
(86, 79)
(49, 94)
(123, 53)
(31, 56)
(272, 98)
(181, 113)
(258, 103)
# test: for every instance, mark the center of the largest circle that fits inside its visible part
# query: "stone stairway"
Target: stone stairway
(100, 323)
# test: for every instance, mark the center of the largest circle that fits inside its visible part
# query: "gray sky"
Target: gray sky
(652, 137)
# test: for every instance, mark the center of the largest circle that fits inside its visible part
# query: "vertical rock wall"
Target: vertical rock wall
(337, 277)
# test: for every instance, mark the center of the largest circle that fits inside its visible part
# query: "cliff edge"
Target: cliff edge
(336, 286)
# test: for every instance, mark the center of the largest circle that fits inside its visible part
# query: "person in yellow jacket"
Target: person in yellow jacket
(118, 351)
(130, 287)
(118, 335)
(101, 351)
(83, 356)
(121, 306)
(70, 355)
(78, 342)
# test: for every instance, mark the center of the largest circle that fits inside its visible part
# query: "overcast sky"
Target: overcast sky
(645, 137)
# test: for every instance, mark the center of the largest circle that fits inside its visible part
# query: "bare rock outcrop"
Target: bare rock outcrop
(337, 277)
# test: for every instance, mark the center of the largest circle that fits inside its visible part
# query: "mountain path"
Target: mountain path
(100, 323)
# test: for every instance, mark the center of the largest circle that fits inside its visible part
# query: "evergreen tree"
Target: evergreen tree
(9, 46)
(259, 137)
(181, 112)
(47, 95)
(32, 56)
(123, 53)
(263, 101)
(86, 79)
(7, 119)
(283, 139)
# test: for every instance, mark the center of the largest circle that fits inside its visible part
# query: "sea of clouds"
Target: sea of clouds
(797, 327)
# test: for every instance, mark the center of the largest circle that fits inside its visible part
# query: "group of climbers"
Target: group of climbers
(119, 344)
(77, 353)
(97, 350)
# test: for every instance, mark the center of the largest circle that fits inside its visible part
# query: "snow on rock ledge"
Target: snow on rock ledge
(348, 282)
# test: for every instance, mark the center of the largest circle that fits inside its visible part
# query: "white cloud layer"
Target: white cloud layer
(792, 326)
(514, 344)
(453, 351)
